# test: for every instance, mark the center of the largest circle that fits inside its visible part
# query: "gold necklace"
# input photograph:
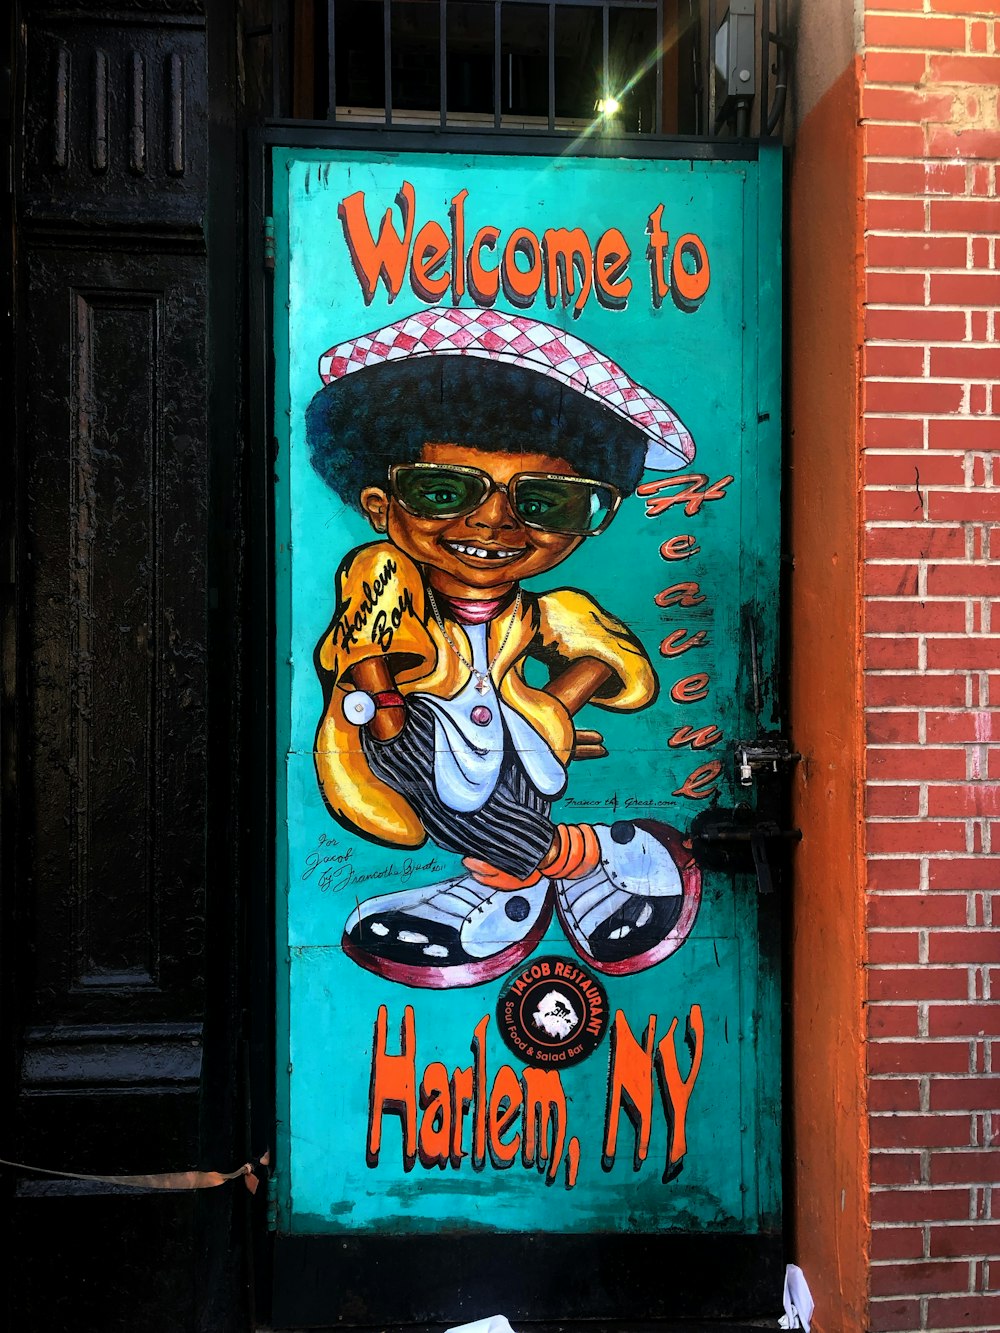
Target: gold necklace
(482, 678)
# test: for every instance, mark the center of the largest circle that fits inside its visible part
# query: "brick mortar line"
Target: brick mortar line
(946, 344)
(928, 344)
(909, 525)
(927, 304)
(936, 488)
(931, 92)
(927, 307)
(921, 564)
(987, 381)
(917, 452)
(977, 562)
(928, 196)
(934, 159)
(928, 51)
(930, 417)
(926, 159)
(929, 232)
(881, 11)
(930, 488)
(940, 89)
(881, 343)
(921, 639)
(922, 451)
(935, 270)
(936, 856)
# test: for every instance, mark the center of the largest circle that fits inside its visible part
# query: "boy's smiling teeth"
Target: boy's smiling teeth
(482, 553)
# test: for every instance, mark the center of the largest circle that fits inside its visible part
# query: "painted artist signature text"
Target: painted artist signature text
(334, 867)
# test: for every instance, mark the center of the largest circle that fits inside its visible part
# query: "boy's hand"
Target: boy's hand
(588, 745)
(387, 723)
(374, 677)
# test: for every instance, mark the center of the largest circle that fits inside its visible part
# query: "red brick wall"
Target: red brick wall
(931, 584)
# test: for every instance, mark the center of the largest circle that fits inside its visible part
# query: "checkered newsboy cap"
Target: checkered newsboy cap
(531, 345)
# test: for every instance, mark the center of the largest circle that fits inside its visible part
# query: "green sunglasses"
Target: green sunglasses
(547, 501)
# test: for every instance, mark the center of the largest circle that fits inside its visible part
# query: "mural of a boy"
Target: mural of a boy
(484, 449)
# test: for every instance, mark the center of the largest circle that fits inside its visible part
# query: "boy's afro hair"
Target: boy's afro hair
(359, 425)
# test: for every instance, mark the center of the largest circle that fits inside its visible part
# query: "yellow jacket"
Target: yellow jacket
(382, 609)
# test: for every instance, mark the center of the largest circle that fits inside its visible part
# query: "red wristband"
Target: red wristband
(388, 699)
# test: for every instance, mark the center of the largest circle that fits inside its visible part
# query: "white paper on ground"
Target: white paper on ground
(797, 1300)
(494, 1323)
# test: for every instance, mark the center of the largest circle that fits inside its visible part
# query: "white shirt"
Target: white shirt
(468, 756)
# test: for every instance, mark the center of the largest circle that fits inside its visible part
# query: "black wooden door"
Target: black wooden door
(123, 860)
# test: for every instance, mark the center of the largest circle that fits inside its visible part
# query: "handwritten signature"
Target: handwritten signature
(614, 801)
(335, 868)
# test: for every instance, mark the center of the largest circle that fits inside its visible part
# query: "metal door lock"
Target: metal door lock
(766, 754)
(740, 842)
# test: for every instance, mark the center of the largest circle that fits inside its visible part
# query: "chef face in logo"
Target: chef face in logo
(555, 1015)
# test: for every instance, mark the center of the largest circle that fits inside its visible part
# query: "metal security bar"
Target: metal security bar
(698, 68)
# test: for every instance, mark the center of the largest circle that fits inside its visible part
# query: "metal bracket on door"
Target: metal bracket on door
(739, 842)
(766, 754)
(745, 840)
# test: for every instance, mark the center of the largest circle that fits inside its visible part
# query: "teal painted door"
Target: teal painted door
(527, 413)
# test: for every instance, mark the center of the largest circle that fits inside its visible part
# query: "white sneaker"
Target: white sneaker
(457, 933)
(638, 906)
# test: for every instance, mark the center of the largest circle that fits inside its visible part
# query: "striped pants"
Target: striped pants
(512, 831)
